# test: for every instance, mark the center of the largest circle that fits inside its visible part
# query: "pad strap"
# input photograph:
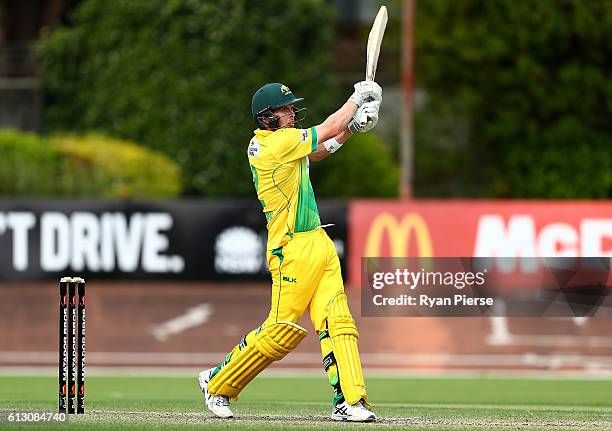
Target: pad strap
(329, 360)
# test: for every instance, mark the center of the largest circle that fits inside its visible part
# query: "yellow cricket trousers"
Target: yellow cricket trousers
(306, 274)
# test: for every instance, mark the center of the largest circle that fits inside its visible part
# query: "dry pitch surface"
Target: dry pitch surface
(149, 402)
(416, 422)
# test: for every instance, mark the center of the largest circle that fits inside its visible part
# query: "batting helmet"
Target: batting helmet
(269, 97)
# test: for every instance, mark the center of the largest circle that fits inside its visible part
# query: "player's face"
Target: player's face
(286, 116)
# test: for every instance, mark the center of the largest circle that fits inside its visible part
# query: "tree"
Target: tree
(519, 98)
(178, 76)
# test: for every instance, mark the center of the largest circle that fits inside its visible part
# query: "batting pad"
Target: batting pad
(271, 344)
(344, 335)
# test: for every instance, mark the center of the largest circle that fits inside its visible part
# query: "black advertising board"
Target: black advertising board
(221, 239)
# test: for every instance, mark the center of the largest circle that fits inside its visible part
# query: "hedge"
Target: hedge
(28, 166)
(91, 165)
(363, 166)
(113, 168)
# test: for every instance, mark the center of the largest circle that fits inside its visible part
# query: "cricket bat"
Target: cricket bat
(374, 41)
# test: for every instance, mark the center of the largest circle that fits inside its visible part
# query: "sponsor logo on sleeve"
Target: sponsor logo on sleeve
(253, 150)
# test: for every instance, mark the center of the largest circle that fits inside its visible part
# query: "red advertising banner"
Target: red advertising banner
(477, 228)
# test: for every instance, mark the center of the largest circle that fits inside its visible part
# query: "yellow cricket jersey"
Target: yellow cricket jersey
(279, 163)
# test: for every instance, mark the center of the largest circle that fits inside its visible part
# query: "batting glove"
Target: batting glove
(366, 91)
(366, 117)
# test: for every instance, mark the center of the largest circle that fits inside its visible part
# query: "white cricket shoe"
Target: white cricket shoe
(217, 404)
(353, 412)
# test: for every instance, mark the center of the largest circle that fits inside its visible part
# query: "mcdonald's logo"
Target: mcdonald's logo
(398, 234)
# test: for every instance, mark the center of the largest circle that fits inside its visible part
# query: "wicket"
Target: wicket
(71, 345)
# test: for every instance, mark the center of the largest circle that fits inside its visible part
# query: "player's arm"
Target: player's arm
(339, 120)
(364, 120)
(292, 144)
(328, 147)
(336, 122)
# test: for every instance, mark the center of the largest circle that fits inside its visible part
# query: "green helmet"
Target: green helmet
(269, 97)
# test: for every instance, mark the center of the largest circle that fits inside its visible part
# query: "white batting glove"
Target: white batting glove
(366, 91)
(366, 117)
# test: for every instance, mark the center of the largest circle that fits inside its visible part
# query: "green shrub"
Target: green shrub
(91, 165)
(178, 76)
(28, 165)
(112, 168)
(363, 167)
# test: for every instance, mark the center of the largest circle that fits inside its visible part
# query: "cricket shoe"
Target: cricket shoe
(358, 412)
(217, 404)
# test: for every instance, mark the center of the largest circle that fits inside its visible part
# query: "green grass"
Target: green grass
(408, 403)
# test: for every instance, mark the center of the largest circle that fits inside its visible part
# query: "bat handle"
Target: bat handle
(369, 78)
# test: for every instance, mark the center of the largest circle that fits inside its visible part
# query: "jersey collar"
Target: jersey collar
(264, 133)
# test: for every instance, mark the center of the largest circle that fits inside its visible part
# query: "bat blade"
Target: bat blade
(374, 41)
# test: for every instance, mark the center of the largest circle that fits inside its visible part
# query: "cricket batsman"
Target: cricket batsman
(301, 257)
